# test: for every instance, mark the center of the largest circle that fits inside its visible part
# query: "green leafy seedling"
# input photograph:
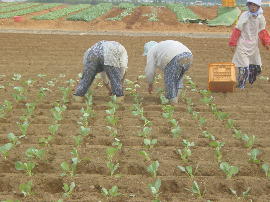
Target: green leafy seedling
(33, 153)
(266, 169)
(26, 189)
(195, 190)
(149, 143)
(154, 188)
(113, 167)
(145, 155)
(254, 156)
(188, 170)
(228, 169)
(113, 192)
(5, 149)
(27, 167)
(153, 168)
(68, 189)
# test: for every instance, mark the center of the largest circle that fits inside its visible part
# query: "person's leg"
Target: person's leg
(254, 71)
(243, 73)
(114, 75)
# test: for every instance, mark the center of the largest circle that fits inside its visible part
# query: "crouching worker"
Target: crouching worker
(244, 39)
(108, 58)
(174, 59)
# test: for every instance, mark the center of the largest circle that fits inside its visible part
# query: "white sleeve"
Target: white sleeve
(124, 59)
(150, 68)
(262, 23)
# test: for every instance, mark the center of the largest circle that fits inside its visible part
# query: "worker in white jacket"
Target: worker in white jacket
(244, 39)
(111, 59)
(174, 59)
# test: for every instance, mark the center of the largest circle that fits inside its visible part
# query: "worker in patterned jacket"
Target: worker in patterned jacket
(244, 41)
(108, 58)
(174, 59)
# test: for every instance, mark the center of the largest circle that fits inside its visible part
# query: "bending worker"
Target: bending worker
(174, 59)
(111, 59)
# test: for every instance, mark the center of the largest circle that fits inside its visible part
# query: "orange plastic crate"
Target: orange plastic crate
(221, 77)
(228, 3)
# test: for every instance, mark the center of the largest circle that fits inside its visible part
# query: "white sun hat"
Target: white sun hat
(148, 46)
(257, 2)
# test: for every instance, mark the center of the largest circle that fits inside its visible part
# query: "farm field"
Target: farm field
(57, 141)
(125, 18)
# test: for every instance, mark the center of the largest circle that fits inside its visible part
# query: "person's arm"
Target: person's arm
(263, 33)
(236, 33)
(150, 71)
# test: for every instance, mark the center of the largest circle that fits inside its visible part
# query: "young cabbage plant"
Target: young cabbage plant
(117, 144)
(65, 91)
(231, 123)
(202, 121)
(217, 145)
(27, 167)
(249, 140)
(78, 140)
(153, 168)
(111, 152)
(45, 141)
(23, 128)
(13, 139)
(188, 170)
(70, 169)
(149, 143)
(30, 108)
(254, 156)
(19, 94)
(145, 155)
(33, 153)
(68, 189)
(208, 135)
(176, 131)
(53, 129)
(245, 194)
(57, 112)
(228, 169)
(16, 77)
(186, 152)
(42, 93)
(146, 131)
(207, 100)
(113, 131)
(113, 192)
(113, 167)
(5, 149)
(221, 115)
(168, 112)
(26, 189)
(196, 190)
(154, 188)
(266, 169)
(84, 131)
(112, 120)
(237, 133)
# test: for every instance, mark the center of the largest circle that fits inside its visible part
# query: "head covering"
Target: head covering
(148, 46)
(257, 2)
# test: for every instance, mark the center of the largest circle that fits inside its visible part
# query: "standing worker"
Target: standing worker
(111, 59)
(245, 36)
(174, 59)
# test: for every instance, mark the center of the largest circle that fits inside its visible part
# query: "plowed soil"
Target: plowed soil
(57, 56)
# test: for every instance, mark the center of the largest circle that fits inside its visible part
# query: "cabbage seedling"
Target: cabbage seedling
(230, 123)
(13, 138)
(217, 145)
(145, 155)
(113, 192)
(19, 94)
(78, 140)
(26, 189)
(27, 167)
(237, 133)
(53, 129)
(221, 115)
(195, 190)
(249, 140)
(68, 189)
(32, 153)
(23, 128)
(228, 169)
(110, 152)
(176, 131)
(253, 156)
(65, 92)
(70, 168)
(117, 143)
(188, 170)
(149, 143)
(45, 141)
(84, 131)
(244, 194)
(154, 188)
(145, 132)
(41, 75)
(113, 131)
(16, 77)
(30, 108)
(153, 168)
(208, 135)
(29, 82)
(186, 152)
(4, 150)
(113, 167)
(266, 169)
